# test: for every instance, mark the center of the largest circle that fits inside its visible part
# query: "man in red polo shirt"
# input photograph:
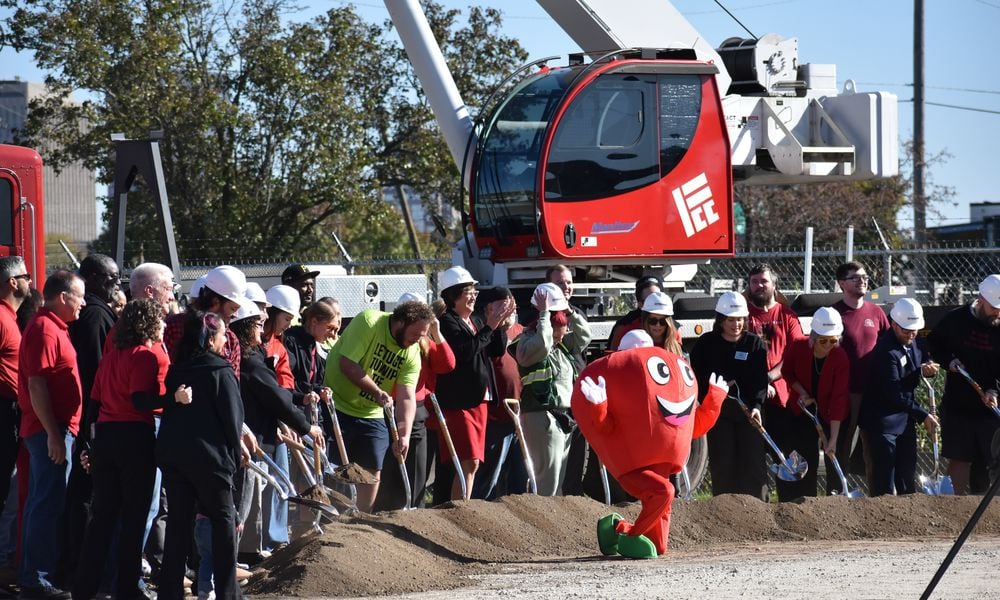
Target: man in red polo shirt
(14, 288)
(50, 399)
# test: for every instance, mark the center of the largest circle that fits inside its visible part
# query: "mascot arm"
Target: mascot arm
(708, 411)
(596, 404)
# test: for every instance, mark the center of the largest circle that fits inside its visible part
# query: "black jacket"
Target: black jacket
(87, 335)
(893, 376)
(204, 434)
(961, 335)
(744, 360)
(264, 401)
(466, 385)
(302, 361)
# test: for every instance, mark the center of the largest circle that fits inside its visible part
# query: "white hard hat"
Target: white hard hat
(658, 303)
(228, 282)
(732, 304)
(196, 286)
(410, 297)
(555, 299)
(990, 290)
(908, 314)
(256, 293)
(248, 308)
(827, 322)
(637, 338)
(286, 298)
(454, 276)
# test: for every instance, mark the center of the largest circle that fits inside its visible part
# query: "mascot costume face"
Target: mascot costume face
(639, 410)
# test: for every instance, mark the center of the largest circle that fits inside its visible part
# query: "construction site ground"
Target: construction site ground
(725, 547)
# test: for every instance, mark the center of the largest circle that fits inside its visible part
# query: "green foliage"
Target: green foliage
(276, 132)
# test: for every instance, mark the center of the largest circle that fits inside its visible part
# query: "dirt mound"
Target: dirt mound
(420, 550)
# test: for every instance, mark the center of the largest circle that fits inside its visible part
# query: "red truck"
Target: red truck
(22, 208)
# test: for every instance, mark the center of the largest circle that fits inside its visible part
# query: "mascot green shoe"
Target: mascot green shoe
(607, 537)
(636, 546)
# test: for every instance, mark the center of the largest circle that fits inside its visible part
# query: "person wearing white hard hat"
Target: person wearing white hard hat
(282, 312)
(376, 363)
(544, 352)
(221, 292)
(267, 403)
(644, 286)
(464, 391)
(968, 338)
(817, 371)
(737, 454)
(863, 323)
(658, 321)
(890, 411)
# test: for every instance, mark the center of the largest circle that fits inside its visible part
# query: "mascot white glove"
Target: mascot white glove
(719, 382)
(595, 393)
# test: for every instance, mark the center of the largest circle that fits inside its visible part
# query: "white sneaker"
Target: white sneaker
(206, 595)
(147, 570)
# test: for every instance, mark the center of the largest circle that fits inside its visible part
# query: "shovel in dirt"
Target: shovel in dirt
(792, 468)
(282, 484)
(831, 455)
(979, 389)
(347, 473)
(936, 485)
(451, 447)
(513, 407)
(390, 413)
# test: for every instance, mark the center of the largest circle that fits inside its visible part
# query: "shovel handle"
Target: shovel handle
(451, 447)
(513, 406)
(341, 448)
(390, 412)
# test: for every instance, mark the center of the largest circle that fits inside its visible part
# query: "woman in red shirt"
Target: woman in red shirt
(817, 371)
(128, 384)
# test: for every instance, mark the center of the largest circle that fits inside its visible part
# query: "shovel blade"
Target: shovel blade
(793, 469)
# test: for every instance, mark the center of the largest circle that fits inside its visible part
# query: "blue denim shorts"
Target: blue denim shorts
(366, 440)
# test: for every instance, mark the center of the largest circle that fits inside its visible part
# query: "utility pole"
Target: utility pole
(919, 199)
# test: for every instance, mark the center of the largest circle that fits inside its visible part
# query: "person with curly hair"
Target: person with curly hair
(129, 382)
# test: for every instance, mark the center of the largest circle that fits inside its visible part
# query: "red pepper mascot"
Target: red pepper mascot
(639, 410)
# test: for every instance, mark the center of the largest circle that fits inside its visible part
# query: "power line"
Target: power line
(990, 4)
(933, 87)
(738, 22)
(955, 106)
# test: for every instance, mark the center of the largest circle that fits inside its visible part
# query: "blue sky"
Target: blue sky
(870, 41)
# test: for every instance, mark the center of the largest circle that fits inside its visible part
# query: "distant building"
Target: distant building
(70, 196)
(983, 226)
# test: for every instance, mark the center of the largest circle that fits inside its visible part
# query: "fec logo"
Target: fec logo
(695, 205)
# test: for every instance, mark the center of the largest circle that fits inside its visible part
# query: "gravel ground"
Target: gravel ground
(813, 570)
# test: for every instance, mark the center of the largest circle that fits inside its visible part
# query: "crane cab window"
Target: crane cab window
(623, 132)
(6, 213)
(507, 167)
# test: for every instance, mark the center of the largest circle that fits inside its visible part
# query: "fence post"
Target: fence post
(807, 277)
(849, 255)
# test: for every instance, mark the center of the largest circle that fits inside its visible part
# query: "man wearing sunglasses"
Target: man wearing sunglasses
(15, 285)
(863, 323)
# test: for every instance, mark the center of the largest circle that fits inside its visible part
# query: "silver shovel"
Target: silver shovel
(513, 406)
(831, 455)
(391, 414)
(451, 447)
(792, 468)
(937, 485)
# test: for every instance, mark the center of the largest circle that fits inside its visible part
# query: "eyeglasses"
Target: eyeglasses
(826, 341)
(857, 278)
(659, 322)
(472, 293)
(24, 276)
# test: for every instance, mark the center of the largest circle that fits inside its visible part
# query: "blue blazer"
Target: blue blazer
(893, 377)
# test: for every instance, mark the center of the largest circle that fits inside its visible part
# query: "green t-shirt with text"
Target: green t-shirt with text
(368, 342)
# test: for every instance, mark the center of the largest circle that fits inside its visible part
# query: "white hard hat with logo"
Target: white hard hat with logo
(256, 293)
(732, 304)
(410, 297)
(454, 276)
(990, 290)
(827, 322)
(908, 314)
(637, 338)
(555, 299)
(285, 298)
(658, 303)
(248, 308)
(228, 282)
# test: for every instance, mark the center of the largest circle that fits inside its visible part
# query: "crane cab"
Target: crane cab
(22, 216)
(623, 159)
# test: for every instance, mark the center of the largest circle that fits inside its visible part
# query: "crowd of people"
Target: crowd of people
(128, 426)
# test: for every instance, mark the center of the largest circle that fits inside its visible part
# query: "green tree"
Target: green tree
(276, 132)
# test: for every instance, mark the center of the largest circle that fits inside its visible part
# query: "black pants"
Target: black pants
(737, 458)
(794, 433)
(212, 492)
(894, 461)
(123, 468)
(76, 509)
(10, 422)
